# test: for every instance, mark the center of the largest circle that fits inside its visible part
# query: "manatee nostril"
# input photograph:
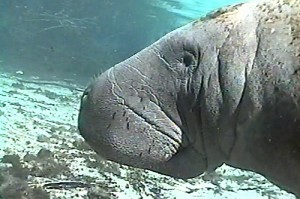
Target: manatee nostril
(85, 94)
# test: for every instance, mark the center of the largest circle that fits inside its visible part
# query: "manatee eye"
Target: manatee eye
(188, 59)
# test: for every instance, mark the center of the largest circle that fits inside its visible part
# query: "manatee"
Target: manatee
(221, 89)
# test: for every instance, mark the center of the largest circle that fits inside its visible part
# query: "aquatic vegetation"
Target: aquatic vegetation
(13, 181)
(18, 85)
(16, 169)
(81, 145)
(99, 192)
(16, 188)
(50, 94)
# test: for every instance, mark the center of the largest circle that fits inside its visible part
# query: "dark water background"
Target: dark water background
(74, 39)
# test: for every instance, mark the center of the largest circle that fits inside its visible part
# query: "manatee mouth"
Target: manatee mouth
(176, 141)
(126, 123)
(145, 105)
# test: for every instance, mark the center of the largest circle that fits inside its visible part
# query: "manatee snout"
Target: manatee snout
(117, 127)
(129, 117)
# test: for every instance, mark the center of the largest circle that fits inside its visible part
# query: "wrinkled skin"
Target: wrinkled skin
(223, 89)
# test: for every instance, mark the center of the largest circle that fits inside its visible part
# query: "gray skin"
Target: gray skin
(222, 89)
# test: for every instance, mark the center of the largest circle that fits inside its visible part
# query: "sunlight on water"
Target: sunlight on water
(192, 9)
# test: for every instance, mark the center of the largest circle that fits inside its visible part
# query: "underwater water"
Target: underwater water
(193, 9)
(49, 51)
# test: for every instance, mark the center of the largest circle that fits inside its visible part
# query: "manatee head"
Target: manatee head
(144, 112)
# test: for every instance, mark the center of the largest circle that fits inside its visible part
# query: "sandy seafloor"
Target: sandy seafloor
(40, 145)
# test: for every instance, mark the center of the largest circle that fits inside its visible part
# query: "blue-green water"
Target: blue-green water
(76, 39)
(193, 9)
